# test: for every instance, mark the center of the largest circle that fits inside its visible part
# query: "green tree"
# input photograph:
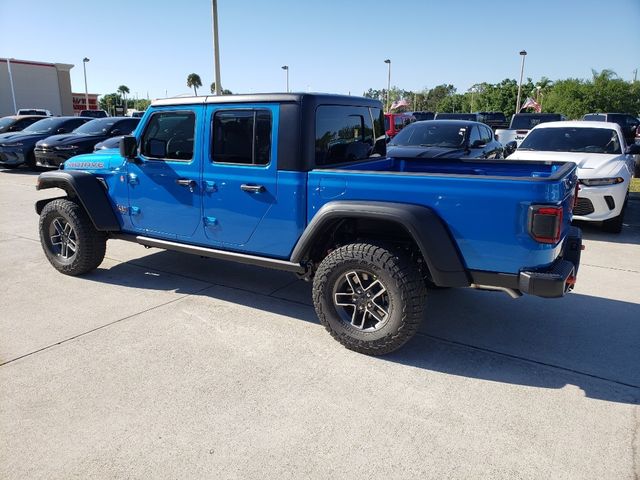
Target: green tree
(193, 80)
(109, 101)
(142, 104)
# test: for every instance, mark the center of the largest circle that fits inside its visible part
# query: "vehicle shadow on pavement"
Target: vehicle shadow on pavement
(590, 342)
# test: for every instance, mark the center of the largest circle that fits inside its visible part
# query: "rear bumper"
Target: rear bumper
(558, 279)
(553, 281)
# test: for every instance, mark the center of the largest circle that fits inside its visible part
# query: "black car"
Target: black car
(54, 150)
(628, 123)
(472, 117)
(18, 149)
(445, 139)
(17, 123)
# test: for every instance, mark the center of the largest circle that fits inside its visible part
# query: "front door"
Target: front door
(239, 171)
(165, 196)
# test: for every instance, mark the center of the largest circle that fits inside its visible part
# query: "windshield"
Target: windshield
(100, 126)
(428, 134)
(44, 126)
(566, 139)
(6, 123)
(527, 122)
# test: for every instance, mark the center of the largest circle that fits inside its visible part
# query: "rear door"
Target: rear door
(239, 170)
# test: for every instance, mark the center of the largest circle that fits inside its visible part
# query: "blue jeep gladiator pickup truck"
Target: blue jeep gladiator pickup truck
(302, 182)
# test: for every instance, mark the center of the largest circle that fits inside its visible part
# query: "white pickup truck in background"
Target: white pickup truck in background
(520, 125)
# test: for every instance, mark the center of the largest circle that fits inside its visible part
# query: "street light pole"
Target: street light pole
(286, 69)
(86, 90)
(388, 62)
(216, 46)
(523, 53)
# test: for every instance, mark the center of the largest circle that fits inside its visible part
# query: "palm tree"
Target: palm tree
(123, 90)
(193, 80)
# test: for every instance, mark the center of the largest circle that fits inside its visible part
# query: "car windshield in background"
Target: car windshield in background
(530, 121)
(493, 117)
(429, 135)
(100, 126)
(44, 126)
(571, 139)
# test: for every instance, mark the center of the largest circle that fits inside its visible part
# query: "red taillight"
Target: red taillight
(575, 195)
(545, 223)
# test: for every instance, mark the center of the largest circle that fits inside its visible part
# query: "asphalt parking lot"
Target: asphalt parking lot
(164, 365)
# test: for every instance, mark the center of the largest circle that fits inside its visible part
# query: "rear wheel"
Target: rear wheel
(369, 297)
(69, 240)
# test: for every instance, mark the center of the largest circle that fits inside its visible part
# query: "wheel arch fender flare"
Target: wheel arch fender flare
(87, 189)
(423, 224)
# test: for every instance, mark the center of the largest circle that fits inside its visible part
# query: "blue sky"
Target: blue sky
(330, 45)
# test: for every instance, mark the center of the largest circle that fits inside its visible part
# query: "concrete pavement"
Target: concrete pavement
(164, 365)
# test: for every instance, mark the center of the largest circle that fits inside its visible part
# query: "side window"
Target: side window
(169, 136)
(397, 121)
(343, 134)
(241, 137)
(474, 135)
(487, 134)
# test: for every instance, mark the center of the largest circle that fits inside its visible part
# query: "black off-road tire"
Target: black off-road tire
(395, 271)
(90, 244)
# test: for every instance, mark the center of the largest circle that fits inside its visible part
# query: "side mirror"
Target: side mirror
(477, 144)
(12, 128)
(61, 130)
(633, 149)
(128, 147)
(115, 132)
(510, 147)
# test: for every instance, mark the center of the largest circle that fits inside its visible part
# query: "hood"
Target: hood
(71, 139)
(589, 164)
(6, 136)
(425, 152)
(27, 138)
(107, 161)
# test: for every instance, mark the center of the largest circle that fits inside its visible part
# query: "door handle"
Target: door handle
(252, 188)
(185, 182)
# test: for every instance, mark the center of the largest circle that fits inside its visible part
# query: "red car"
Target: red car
(394, 122)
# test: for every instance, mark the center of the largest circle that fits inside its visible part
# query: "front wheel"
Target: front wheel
(69, 240)
(369, 297)
(614, 225)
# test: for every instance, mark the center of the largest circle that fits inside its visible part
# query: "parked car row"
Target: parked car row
(49, 141)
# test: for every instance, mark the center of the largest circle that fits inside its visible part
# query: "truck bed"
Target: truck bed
(484, 204)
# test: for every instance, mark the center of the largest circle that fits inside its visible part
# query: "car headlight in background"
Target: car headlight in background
(598, 182)
(66, 147)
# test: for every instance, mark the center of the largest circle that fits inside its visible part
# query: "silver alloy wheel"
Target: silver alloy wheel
(63, 238)
(362, 300)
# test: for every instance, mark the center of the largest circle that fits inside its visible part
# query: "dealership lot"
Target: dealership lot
(163, 365)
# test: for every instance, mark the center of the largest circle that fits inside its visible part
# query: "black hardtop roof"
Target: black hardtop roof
(317, 98)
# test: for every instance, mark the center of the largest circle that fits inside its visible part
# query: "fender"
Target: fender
(432, 236)
(88, 189)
